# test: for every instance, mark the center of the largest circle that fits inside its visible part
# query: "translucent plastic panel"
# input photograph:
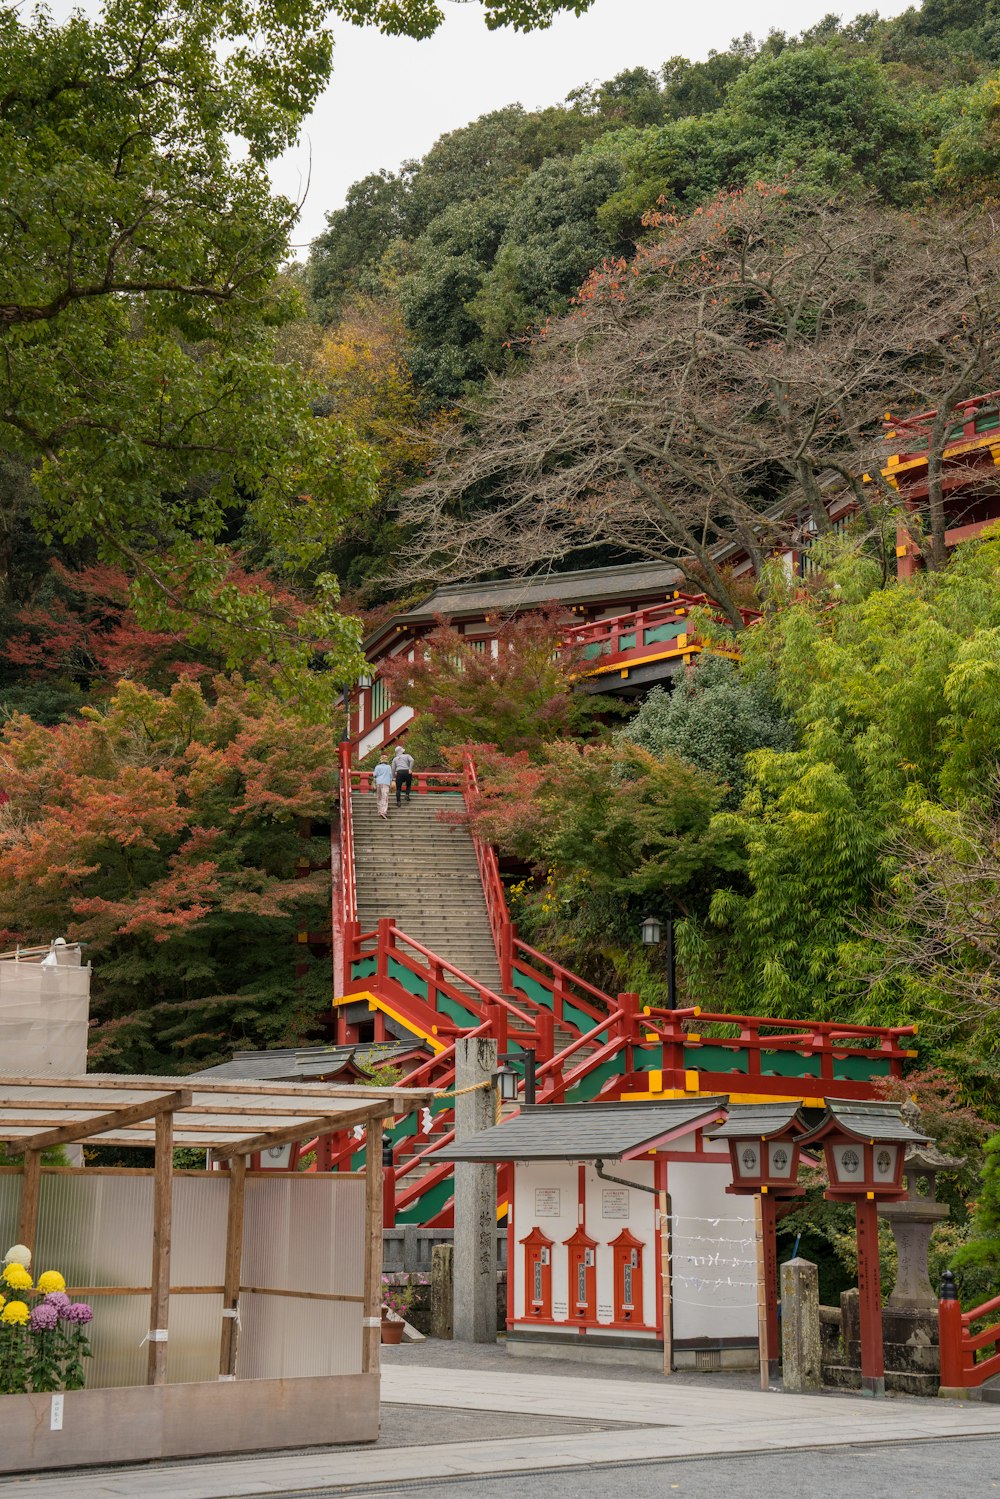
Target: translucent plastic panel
(10, 1202)
(304, 1233)
(198, 1256)
(195, 1337)
(283, 1337)
(119, 1326)
(97, 1227)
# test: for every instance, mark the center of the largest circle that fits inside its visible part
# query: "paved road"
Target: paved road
(485, 1425)
(961, 1468)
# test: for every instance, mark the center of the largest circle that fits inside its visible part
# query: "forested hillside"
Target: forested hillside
(203, 447)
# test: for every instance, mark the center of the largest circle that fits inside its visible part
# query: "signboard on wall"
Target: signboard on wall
(614, 1202)
(546, 1202)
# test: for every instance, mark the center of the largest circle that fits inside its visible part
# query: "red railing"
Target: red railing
(961, 1366)
(830, 1041)
(625, 637)
(348, 884)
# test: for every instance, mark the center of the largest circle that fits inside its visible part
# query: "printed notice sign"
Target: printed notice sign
(614, 1202)
(546, 1202)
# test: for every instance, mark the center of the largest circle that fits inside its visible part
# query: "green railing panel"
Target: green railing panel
(664, 632)
(596, 648)
(626, 641)
(788, 1064)
(428, 1204)
(860, 1068)
(591, 1084)
(407, 979)
(364, 969)
(582, 1021)
(716, 1059)
(453, 1010)
(531, 989)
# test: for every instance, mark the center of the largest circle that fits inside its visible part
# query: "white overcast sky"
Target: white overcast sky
(390, 98)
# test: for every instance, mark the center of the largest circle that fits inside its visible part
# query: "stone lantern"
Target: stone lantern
(909, 1317)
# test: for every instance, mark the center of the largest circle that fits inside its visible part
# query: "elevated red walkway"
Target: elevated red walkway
(587, 1044)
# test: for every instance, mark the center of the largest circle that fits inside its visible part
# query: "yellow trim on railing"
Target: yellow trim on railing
(375, 1002)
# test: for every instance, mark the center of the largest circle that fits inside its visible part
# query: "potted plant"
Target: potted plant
(397, 1298)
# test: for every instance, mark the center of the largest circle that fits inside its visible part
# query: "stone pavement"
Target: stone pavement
(476, 1422)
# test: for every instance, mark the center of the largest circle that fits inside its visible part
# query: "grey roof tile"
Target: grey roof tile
(868, 1121)
(757, 1119)
(581, 1132)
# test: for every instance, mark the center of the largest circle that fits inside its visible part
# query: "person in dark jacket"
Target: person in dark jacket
(402, 771)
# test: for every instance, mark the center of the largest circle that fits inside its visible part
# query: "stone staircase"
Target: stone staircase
(423, 873)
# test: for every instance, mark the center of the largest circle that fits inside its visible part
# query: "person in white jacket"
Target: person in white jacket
(381, 782)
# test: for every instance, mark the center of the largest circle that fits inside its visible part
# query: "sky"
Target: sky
(390, 97)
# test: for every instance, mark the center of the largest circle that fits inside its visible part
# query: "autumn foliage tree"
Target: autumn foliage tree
(166, 832)
(514, 692)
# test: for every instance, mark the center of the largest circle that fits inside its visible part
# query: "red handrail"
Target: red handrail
(961, 1368)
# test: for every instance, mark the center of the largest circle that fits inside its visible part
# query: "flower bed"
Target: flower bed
(43, 1342)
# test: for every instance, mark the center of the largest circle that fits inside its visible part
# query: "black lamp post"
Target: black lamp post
(508, 1079)
(653, 930)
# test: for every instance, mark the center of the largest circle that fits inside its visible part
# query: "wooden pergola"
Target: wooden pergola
(230, 1120)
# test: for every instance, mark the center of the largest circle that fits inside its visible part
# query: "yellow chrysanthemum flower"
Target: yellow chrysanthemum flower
(15, 1311)
(50, 1280)
(17, 1278)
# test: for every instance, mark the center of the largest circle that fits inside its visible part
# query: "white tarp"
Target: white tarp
(44, 1013)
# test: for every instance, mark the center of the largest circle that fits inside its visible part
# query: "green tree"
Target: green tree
(714, 717)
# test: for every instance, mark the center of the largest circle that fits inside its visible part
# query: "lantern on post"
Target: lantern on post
(764, 1142)
(865, 1149)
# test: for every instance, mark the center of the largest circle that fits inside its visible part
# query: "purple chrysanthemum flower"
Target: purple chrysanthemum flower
(43, 1318)
(78, 1312)
(59, 1300)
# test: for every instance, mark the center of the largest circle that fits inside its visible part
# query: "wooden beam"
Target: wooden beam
(159, 1301)
(231, 1273)
(143, 1084)
(31, 1181)
(371, 1331)
(133, 1113)
(327, 1124)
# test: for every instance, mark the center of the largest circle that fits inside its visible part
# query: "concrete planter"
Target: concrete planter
(142, 1423)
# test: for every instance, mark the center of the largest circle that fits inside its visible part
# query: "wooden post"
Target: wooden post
(768, 1263)
(371, 1336)
(159, 1301)
(762, 1290)
(231, 1272)
(31, 1181)
(663, 1204)
(870, 1297)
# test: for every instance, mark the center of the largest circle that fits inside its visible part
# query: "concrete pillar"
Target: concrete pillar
(442, 1291)
(800, 1339)
(475, 1317)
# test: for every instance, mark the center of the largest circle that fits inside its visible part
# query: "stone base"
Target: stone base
(846, 1377)
(646, 1355)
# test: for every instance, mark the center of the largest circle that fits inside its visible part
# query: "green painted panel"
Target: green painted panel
(860, 1068)
(532, 989)
(582, 1021)
(364, 969)
(626, 642)
(588, 1087)
(715, 1059)
(595, 649)
(411, 982)
(664, 632)
(432, 1201)
(452, 1009)
(788, 1064)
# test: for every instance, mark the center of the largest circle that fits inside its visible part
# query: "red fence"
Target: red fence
(645, 634)
(962, 1368)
